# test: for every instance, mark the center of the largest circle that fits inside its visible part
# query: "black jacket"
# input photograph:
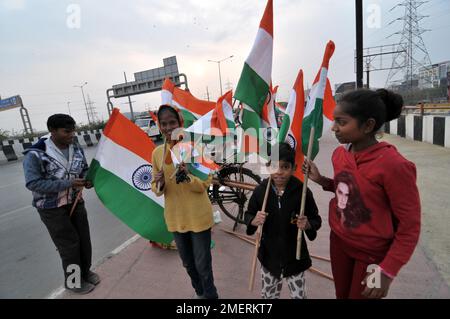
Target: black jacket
(278, 246)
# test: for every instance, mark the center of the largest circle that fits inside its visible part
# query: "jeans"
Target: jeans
(70, 236)
(195, 253)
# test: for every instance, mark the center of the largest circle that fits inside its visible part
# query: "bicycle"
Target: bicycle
(231, 189)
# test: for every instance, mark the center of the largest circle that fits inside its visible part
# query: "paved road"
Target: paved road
(30, 266)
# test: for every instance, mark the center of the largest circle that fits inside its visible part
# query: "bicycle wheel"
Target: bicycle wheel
(233, 201)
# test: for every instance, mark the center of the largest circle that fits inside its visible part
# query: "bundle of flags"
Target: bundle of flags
(186, 153)
(215, 130)
(298, 120)
(190, 107)
(217, 122)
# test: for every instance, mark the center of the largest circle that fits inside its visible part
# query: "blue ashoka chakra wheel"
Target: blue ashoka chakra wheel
(142, 177)
(268, 134)
(291, 141)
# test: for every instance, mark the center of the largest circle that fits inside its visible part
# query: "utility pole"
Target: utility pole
(129, 99)
(220, 76)
(92, 111)
(359, 43)
(68, 106)
(85, 105)
(207, 93)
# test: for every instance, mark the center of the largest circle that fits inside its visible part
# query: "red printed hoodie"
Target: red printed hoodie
(376, 208)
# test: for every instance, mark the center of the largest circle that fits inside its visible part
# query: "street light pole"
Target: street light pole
(220, 76)
(85, 105)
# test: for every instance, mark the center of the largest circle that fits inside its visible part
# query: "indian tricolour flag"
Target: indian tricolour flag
(217, 122)
(122, 172)
(316, 107)
(253, 86)
(191, 108)
(256, 75)
(184, 152)
(291, 127)
(215, 131)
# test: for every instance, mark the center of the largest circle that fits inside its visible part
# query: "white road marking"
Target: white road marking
(58, 292)
(15, 211)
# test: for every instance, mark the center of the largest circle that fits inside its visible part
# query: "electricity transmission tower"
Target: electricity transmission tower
(413, 54)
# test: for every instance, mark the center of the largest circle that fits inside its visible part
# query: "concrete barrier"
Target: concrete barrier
(432, 129)
(11, 150)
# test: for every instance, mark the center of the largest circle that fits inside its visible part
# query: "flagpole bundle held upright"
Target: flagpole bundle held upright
(304, 190)
(252, 92)
(318, 107)
(258, 237)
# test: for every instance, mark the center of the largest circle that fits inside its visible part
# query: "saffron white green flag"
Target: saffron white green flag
(185, 153)
(314, 111)
(254, 83)
(217, 122)
(122, 172)
(291, 127)
(191, 108)
(256, 75)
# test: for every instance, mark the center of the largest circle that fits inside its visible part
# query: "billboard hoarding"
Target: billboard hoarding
(10, 103)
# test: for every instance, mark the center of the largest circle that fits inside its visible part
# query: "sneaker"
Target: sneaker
(195, 296)
(85, 288)
(92, 278)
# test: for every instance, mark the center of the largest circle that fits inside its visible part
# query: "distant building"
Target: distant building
(342, 88)
(434, 76)
(448, 86)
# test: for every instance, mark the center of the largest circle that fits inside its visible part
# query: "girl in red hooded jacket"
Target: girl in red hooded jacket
(375, 214)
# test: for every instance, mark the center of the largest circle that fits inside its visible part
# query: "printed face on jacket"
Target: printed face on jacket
(350, 206)
(342, 191)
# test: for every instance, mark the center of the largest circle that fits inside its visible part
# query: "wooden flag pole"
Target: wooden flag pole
(305, 188)
(258, 237)
(314, 270)
(158, 186)
(76, 202)
(251, 241)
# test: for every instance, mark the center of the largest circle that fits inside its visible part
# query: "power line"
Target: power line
(413, 52)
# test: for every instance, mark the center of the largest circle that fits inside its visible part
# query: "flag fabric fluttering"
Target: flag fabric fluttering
(217, 122)
(316, 107)
(191, 108)
(254, 83)
(256, 75)
(183, 152)
(216, 130)
(124, 185)
(291, 127)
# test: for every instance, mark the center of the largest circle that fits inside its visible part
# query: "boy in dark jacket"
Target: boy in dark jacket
(54, 171)
(277, 252)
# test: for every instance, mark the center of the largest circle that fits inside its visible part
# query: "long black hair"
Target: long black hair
(382, 105)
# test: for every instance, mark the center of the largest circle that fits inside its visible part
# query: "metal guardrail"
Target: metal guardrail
(422, 109)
